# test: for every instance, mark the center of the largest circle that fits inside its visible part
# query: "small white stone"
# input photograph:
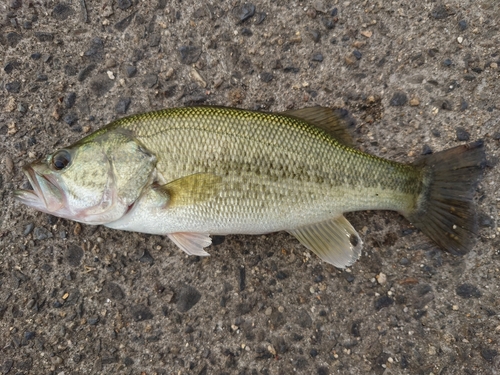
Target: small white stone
(381, 278)
(110, 74)
(460, 39)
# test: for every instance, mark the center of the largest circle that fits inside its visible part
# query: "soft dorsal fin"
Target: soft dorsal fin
(332, 121)
(192, 189)
(334, 241)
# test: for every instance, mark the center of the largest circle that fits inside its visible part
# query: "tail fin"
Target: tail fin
(445, 210)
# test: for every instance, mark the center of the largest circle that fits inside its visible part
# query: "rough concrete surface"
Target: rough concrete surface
(418, 77)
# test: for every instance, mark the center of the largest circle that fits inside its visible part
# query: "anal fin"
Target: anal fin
(334, 241)
(192, 243)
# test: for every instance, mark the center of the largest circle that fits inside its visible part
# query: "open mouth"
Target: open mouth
(45, 196)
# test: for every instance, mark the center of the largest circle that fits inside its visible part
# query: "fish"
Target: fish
(192, 172)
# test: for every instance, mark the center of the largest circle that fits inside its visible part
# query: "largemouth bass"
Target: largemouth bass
(191, 172)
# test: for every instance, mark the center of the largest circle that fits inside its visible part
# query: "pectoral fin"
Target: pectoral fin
(192, 243)
(334, 241)
(192, 189)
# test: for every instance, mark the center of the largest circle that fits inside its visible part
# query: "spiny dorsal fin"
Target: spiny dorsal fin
(334, 241)
(192, 189)
(332, 121)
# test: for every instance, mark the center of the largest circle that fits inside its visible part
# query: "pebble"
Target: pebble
(85, 72)
(462, 25)
(468, 291)
(440, 12)
(489, 354)
(122, 105)
(188, 296)
(266, 77)
(70, 118)
(383, 301)
(189, 54)
(462, 134)
(315, 35)
(317, 57)
(414, 102)
(460, 39)
(130, 71)
(41, 233)
(447, 62)
(304, 319)
(62, 11)
(44, 36)
(327, 23)
(426, 150)
(140, 313)
(381, 278)
(28, 229)
(124, 4)
(398, 99)
(357, 54)
(112, 290)
(74, 255)
(101, 84)
(69, 100)
(13, 38)
(13, 87)
(124, 23)
(244, 12)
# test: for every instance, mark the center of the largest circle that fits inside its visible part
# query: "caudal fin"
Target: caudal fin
(445, 209)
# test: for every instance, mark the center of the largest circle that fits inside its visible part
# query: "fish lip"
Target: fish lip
(36, 198)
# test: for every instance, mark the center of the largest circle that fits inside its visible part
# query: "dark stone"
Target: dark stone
(469, 77)
(189, 54)
(6, 366)
(28, 229)
(10, 66)
(40, 233)
(328, 23)
(101, 84)
(127, 361)
(489, 354)
(334, 12)
(477, 69)
(315, 35)
(70, 70)
(69, 99)
(440, 12)
(462, 25)
(304, 319)
(398, 99)
(124, 4)
(426, 150)
(446, 105)
(27, 25)
(40, 77)
(44, 36)
(355, 328)
(188, 296)
(317, 57)
(217, 240)
(357, 54)
(383, 301)
(95, 52)
(113, 291)
(140, 313)
(130, 71)
(85, 72)
(246, 32)
(154, 40)
(496, 136)
(146, 258)
(124, 23)
(313, 353)
(243, 308)
(70, 118)
(121, 108)
(13, 38)
(16, 4)
(244, 12)
(323, 370)
(266, 77)
(261, 16)
(462, 134)
(62, 11)
(242, 279)
(74, 255)
(281, 275)
(93, 320)
(348, 276)
(150, 81)
(447, 62)
(13, 87)
(36, 56)
(468, 291)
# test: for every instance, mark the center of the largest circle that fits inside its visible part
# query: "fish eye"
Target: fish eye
(60, 160)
